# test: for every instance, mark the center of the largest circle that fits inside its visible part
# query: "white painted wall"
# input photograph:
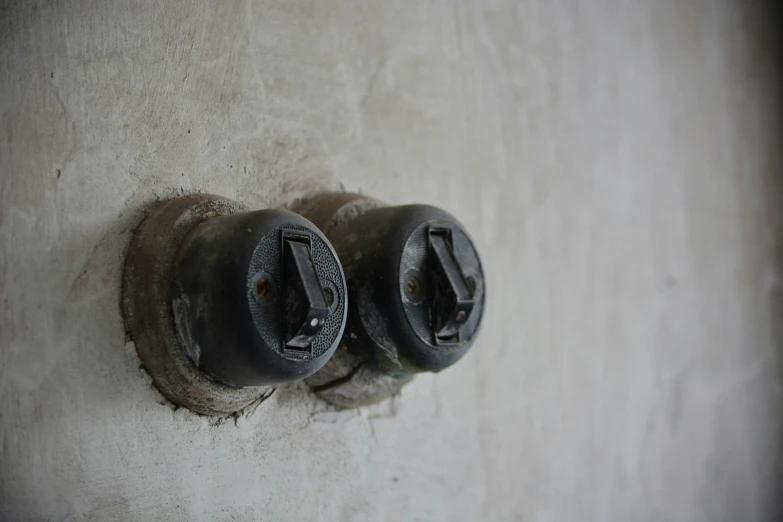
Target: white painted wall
(618, 164)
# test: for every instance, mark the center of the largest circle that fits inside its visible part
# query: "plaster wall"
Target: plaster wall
(617, 163)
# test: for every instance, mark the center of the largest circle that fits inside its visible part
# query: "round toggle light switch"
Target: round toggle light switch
(223, 302)
(416, 291)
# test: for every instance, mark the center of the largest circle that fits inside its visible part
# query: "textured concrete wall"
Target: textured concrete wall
(618, 164)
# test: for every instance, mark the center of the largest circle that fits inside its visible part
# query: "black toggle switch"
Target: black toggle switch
(249, 298)
(223, 303)
(415, 290)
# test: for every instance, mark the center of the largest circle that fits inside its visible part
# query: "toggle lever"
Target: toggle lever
(452, 298)
(305, 307)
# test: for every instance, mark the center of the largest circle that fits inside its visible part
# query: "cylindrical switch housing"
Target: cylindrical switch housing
(416, 285)
(258, 298)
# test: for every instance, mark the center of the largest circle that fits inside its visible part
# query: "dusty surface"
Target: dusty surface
(617, 165)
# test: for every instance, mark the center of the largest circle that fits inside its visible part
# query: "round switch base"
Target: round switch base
(349, 379)
(148, 315)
